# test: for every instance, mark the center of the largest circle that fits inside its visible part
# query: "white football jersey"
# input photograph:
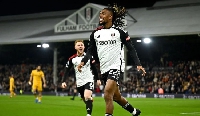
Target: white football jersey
(85, 75)
(108, 44)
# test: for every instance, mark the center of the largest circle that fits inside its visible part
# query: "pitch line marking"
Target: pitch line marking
(190, 113)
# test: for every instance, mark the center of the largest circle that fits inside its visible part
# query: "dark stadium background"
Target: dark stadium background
(28, 53)
(183, 47)
(172, 48)
(36, 6)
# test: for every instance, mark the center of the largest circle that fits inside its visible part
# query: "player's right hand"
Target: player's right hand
(143, 70)
(44, 85)
(29, 83)
(64, 85)
(98, 82)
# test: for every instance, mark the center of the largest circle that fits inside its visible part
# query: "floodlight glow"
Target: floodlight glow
(45, 45)
(147, 40)
(139, 40)
(39, 46)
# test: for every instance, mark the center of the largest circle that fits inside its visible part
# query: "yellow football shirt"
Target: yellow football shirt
(37, 76)
(11, 83)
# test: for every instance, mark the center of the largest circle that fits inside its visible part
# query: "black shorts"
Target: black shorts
(112, 74)
(121, 75)
(88, 86)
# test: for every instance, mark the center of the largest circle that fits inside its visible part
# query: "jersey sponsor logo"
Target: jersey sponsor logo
(107, 42)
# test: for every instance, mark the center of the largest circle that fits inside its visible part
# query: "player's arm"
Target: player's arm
(131, 49)
(90, 50)
(43, 79)
(94, 69)
(13, 84)
(31, 78)
(126, 40)
(66, 72)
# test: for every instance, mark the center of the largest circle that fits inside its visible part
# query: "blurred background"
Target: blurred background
(171, 58)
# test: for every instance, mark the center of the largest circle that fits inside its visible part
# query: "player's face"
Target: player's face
(39, 68)
(105, 16)
(80, 47)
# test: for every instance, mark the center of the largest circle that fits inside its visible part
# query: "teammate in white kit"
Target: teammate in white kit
(107, 42)
(84, 79)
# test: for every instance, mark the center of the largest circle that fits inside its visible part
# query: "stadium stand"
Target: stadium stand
(175, 77)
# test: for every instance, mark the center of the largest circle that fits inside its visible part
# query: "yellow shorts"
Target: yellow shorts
(37, 87)
(11, 90)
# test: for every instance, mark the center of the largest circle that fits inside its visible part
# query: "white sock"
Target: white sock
(134, 111)
(107, 115)
(88, 115)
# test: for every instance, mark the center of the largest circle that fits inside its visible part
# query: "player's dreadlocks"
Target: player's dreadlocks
(119, 14)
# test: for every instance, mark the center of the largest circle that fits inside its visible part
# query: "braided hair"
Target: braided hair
(119, 13)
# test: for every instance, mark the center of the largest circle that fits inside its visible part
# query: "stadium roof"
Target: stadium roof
(175, 17)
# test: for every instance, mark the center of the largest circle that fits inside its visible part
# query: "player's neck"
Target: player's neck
(80, 54)
(108, 25)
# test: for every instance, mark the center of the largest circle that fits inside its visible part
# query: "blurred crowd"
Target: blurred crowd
(172, 77)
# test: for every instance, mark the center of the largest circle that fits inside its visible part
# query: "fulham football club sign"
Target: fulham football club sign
(85, 19)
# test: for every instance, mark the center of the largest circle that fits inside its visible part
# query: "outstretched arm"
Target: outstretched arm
(131, 49)
(95, 71)
(89, 53)
(90, 50)
(67, 69)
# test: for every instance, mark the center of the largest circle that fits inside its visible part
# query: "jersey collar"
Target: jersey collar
(82, 55)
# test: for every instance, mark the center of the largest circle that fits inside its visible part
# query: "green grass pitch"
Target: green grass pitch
(22, 105)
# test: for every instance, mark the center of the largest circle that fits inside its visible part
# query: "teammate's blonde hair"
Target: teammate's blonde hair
(78, 41)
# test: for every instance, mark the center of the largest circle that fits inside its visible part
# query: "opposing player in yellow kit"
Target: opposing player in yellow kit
(37, 76)
(12, 86)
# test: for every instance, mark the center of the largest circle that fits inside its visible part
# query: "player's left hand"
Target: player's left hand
(80, 66)
(64, 85)
(98, 82)
(44, 85)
